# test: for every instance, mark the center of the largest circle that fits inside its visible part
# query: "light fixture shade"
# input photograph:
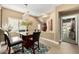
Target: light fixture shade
(39, 27)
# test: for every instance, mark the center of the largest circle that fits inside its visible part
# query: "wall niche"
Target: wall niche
(50, 25)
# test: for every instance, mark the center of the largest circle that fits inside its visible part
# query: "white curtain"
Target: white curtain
(13, 24)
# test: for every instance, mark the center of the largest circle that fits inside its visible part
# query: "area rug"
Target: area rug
(43, 49)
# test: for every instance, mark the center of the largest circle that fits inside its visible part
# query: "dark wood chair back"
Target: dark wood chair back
(7, 39)
(10, 44)
(36, 36)
(30, 40)
(26, 41)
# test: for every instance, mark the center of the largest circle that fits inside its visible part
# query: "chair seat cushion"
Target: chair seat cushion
(15, 43)
(15, 39)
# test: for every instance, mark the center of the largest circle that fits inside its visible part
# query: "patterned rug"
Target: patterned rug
(43, 49)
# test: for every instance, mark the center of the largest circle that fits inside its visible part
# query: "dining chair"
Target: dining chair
(36, 37)
(31, 41)
(11, 43)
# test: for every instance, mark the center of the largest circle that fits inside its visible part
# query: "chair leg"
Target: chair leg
(33, 50)
(38, 46)
(9, 50)
(7, 47)
(22, 49)
(5, 41)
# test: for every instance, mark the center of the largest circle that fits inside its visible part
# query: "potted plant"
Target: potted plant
(27, 24)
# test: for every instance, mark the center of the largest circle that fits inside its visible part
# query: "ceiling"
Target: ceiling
(34, 9)
(16, 7)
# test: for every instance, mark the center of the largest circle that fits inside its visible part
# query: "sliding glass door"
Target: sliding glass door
(69, 29)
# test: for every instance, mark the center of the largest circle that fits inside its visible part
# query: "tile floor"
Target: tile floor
(64, 48)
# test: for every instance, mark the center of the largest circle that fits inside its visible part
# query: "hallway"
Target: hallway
(64, 48)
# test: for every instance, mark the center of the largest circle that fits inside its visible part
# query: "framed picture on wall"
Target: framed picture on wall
(50, 25)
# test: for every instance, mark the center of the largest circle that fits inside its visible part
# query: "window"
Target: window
(21, 27)
(13, 24)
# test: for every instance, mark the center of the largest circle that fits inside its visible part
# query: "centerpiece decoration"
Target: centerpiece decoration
(26, 24)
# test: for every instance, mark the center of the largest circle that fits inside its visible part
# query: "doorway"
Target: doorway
(69, 29)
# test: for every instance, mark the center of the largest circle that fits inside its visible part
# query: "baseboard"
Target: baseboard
(50, 42)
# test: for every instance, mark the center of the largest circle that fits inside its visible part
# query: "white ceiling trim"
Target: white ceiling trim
(17, 7)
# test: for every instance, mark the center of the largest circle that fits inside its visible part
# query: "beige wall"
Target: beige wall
(34, 23)
(53, 35)
(5, 14)
(66, 9)
(9, 13)
(1, 35)
(0, 16)
(62, 10)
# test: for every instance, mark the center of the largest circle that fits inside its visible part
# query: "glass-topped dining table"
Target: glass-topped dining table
(27, 39)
